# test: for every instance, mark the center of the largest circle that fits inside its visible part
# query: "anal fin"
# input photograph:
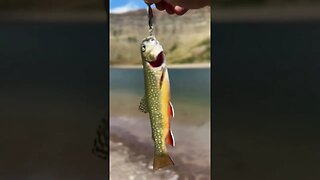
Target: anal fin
(171, 110)
(170, 139)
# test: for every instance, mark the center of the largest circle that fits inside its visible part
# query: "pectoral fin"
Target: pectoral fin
(143, 105)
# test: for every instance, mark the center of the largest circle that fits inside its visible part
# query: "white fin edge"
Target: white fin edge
(172, 109)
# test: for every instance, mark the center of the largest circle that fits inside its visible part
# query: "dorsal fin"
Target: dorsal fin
(143, 105)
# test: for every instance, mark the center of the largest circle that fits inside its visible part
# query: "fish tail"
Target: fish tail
(162, 160)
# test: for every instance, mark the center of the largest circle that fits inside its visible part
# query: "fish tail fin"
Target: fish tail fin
(162, 160)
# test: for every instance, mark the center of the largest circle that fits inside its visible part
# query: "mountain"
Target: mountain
(185, 39)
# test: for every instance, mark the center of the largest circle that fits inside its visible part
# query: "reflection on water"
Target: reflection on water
(190, 91)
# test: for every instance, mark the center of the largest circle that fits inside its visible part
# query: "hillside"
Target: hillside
(185, 39)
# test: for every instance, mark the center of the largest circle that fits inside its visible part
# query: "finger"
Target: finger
(180, 10)
(161, 5)
(169, 8)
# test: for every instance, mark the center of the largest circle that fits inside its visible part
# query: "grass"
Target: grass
(197, 53)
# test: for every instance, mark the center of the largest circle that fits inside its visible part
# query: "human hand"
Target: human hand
(178, 7)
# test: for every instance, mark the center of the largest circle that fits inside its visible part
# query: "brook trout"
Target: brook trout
(100, 148)
(156, 100)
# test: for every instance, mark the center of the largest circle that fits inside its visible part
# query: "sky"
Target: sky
(122, 6)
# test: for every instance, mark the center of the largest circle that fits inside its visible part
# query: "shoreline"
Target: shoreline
(171, 66)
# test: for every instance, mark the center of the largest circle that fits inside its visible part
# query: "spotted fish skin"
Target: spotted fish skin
(100, 148)
(157, 99)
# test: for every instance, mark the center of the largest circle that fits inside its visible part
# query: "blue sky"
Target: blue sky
(121, 6)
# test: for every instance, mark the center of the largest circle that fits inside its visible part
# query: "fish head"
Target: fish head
(152, 53)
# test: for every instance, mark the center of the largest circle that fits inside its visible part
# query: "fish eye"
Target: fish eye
(143, 48)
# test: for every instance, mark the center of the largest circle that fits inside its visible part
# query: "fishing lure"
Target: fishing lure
(156, 100)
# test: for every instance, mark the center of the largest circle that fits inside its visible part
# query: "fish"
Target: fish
(100, 147)
(156, 100)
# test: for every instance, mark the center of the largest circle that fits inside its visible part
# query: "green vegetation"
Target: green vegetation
(174, 47)
(205, 55)
(200, 53)
(205, 42)
(132, 39)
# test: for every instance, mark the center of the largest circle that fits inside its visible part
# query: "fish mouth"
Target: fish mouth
(158, 61)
